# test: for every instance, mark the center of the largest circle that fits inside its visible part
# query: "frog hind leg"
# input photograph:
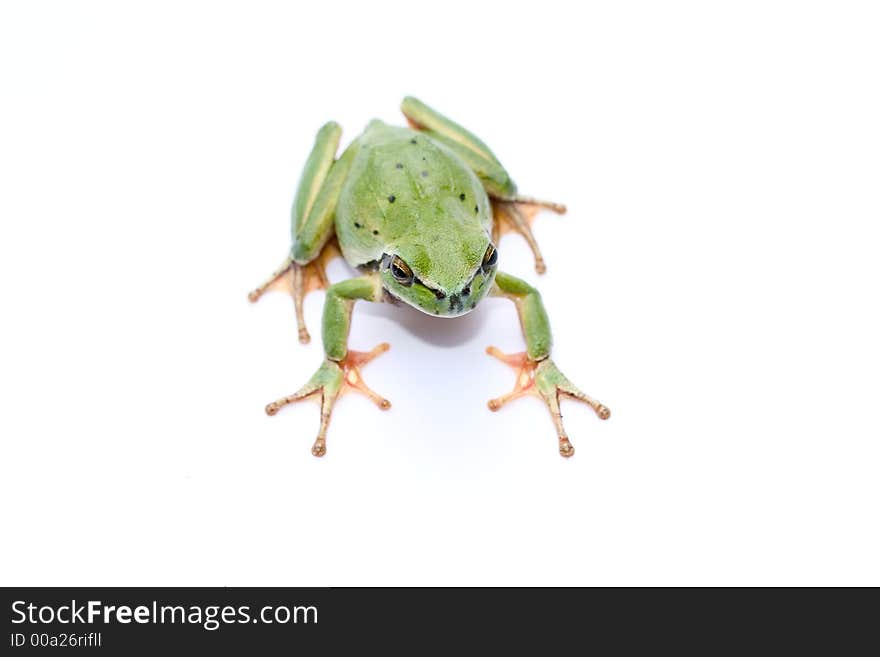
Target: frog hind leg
(537, 374)
(517, 216)
(297, 281)
(340, 370)
(312, 229)
(512, 212)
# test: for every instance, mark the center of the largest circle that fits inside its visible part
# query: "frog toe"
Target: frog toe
(566, 449)
(298, 280)
(543, 379)
(332, 379)
(516, 215)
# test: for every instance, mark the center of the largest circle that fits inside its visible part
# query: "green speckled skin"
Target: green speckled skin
(410, 196)
(412, 209)
(470, 148)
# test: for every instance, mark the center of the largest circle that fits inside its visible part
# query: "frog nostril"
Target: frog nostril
(440, 294)
(466, 291)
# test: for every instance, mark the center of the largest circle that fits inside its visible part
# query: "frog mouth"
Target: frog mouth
(456, 300)
(450, 305)
(432, 300)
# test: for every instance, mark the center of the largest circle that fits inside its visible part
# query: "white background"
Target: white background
(714, 283)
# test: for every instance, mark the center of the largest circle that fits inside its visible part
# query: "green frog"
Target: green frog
(418, 211)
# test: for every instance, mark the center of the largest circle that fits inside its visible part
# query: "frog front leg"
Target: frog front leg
(536, 372)
(341, 367)
(304, 269)
(511, 211)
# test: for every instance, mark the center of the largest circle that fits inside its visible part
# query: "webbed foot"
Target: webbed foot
(544, 379)
(297, 281)
(516, 214)
(332, 378)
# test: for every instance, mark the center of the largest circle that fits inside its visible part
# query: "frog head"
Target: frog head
(446, 272)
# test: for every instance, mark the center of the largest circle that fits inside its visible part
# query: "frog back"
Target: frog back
(404, 187)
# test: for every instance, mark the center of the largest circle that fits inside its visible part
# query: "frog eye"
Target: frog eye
(401, 271)
(490, 259)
